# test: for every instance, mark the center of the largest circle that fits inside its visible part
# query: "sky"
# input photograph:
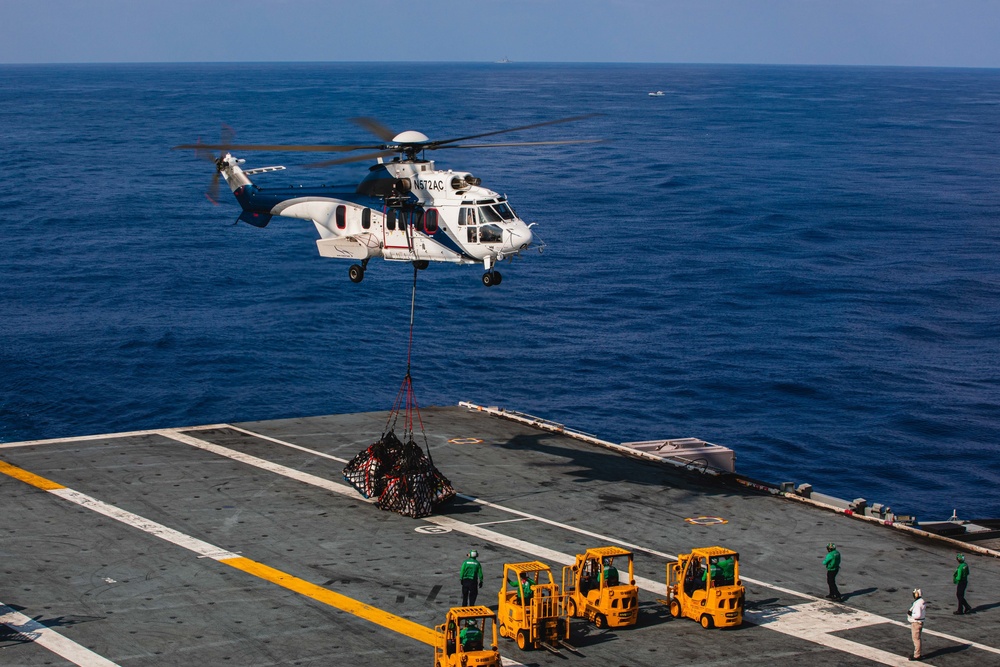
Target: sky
(936, 33)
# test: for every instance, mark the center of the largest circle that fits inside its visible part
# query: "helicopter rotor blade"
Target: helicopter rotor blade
(313, 148)
(203, 153)
(526, 143)
(212, 193)
(375, 127)
(436, 144)
(353, 158)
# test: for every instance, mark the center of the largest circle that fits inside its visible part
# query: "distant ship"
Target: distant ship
(658, 93)
(502, 61)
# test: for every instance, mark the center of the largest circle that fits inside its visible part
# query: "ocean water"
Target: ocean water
(800, 263)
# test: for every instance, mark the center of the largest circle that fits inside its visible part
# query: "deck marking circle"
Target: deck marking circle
(706, 520)
(466, 441)
(432, 530)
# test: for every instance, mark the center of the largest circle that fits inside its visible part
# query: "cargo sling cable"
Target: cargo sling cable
(394, 470)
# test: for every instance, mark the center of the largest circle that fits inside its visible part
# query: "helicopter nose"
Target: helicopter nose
(523, 239)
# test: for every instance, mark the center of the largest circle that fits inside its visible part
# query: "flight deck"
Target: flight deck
(242, 544)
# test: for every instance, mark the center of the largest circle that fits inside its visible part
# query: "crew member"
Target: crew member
(471, 572)
(915, 616)
(471, 636)
(610, 572)
(832, 564)
(961, 579)
(727, 571)
(525, 588)
(695, 575)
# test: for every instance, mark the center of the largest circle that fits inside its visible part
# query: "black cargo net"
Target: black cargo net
(396, 471)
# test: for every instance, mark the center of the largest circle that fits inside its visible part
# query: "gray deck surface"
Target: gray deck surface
(133, 598)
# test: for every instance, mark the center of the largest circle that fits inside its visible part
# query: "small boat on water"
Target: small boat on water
(658, 93)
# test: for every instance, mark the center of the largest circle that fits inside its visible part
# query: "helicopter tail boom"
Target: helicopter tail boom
(244, 190)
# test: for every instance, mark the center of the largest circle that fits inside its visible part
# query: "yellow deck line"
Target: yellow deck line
(324, 595)
(360, 609)
(28, 477)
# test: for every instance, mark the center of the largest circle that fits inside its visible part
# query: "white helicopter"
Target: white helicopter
(404, 210)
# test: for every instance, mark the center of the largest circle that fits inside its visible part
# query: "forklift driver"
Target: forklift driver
(610, 572)
(694, 576)
(524, 586)
(726, 576)
(471, 637)
(713, 571)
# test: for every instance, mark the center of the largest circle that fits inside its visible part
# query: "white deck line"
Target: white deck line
(50, 639)
(110, 436)
(814, 626)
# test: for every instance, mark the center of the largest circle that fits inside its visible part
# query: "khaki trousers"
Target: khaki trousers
(916, 627)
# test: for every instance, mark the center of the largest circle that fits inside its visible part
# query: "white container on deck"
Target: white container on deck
(690, 451)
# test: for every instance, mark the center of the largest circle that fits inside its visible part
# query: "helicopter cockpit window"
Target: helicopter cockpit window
(505, 211)
(490, 234)
(489, 215)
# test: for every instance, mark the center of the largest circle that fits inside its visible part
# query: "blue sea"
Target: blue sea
(800, 263)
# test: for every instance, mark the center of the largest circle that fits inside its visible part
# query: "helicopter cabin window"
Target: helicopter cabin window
(341, 217)
(490, 234)
(366, 218)
(467, 216)
(418, 220)
(431, 221)
(390, 219)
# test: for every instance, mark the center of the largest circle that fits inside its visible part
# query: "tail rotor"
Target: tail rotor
(204, 152)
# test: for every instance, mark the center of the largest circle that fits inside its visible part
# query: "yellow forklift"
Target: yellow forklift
(462, 639)
(532, 611)
(597, 590)
(705, 585)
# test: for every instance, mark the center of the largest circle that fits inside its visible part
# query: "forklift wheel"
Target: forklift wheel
(600, 622)
(706, 622)
(522, 640)
(675, 608)
(570, 608)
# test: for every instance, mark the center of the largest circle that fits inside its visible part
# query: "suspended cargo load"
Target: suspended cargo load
(366, 472)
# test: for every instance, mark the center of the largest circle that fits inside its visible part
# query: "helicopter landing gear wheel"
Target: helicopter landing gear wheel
(356, 273)
(421, 264)
(491, 278)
